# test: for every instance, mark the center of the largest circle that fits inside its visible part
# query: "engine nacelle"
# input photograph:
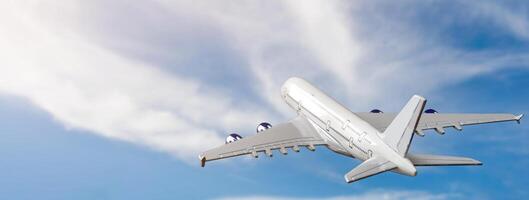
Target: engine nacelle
(430, 111)
(376, 111)
(232, 138)
(263, 126)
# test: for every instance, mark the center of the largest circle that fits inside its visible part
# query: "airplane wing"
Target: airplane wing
(298, 132)
(438, 121)
(370, 167)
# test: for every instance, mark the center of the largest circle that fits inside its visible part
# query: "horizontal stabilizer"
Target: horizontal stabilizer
(439, 160)
(368, 168)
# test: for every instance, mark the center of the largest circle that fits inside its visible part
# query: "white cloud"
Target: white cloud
(361, 51)
(73, 59)
(375, 194)
(516, 22)
(89, 87)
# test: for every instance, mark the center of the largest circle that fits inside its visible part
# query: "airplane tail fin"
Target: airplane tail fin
(440, 160)
(399, 133)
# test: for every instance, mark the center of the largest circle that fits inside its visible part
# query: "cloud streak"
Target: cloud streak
(92, 88)
(129, 71)
(375, 194)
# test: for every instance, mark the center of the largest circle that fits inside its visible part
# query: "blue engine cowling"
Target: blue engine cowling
(376, 111)
(263, 126)
(430, 111)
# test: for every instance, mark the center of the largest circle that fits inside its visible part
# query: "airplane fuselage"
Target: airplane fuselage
(381, 140)
(346, 133)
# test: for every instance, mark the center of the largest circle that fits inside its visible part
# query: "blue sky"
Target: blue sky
(114, 100)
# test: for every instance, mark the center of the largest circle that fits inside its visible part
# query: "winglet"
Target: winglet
(518, 118)
(202, 160)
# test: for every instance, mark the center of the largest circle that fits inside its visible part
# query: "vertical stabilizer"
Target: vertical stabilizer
(399, 133)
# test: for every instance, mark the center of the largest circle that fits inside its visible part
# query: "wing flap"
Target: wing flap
(440, 160)
(370, 167)
(298, 132)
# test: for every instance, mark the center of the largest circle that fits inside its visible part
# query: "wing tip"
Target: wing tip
(202, 159)
(518, 118)
(349, 180)
(476, 162)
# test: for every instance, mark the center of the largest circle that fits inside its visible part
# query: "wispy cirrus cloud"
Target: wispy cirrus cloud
(360, 51)
(176, 75)
(89, 87)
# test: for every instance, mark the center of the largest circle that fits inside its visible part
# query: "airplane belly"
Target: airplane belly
(336, 122)
(345, 138)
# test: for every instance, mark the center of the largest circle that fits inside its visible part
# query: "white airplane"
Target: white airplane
(380, 140)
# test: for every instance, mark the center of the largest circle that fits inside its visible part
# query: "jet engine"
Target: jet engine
(232, 138)
(376, 111)
(263, 126)
(430, 111)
